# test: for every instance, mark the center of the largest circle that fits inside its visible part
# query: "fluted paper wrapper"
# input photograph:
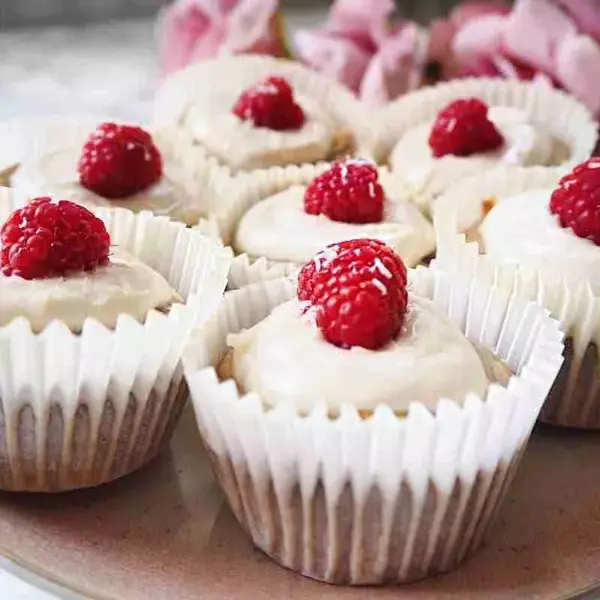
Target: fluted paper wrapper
(191, 85)
(574, 400)
(387, 498)
(560, 114)
(78, 410)
(238, 197)
(464, 205)
(20, 139)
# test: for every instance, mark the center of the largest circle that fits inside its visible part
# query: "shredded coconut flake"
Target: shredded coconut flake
(360, 161)
(381, 268)
(380, 286)
(371, 190)
(309, 317)
(323, 258)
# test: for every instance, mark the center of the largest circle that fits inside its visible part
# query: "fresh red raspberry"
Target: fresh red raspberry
(358, 291)
(270, 104)
(349, 192)
(463, 128)
(119, 161)
(365, 253)
(50, 239)
(356, 313)
(576, 201)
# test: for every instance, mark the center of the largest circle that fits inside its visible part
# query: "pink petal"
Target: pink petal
(214, 9)
(473, 9)
(333, 55)
(511, 69)
(365, 21)
(441, 34)
(586, 14)
(397, 68)
(251, 27)
(533, 32)
(482, 66)
(182, 25)
(578, 69)
(480, 36)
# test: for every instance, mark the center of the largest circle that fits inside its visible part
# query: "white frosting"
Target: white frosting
(521, 229)
(241, 145)
(279, 229)
(284, 358)
(54, 172)
(525, 144)
(124, 286)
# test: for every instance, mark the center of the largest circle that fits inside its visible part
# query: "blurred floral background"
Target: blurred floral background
(106, 56)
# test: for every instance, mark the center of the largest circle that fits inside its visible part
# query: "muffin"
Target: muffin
(284, 217)
(433, 137)
(94, 311)
(257, 111)
(111, 164)
(359, 435)
(539, 235)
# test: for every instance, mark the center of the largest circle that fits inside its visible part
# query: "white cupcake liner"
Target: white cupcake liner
(358, 500)
(22, 138)
(462, 206)
(236, 197)
(82, 409)
(183, 89)
(564, 117)
(574, 400)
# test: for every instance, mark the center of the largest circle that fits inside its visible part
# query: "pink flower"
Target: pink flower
(193, 30)
(537, 39)
(362, 48)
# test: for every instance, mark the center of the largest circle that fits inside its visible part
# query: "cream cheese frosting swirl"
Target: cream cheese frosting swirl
(526, 144)
(241, 145)
(124, 286)
(521, 229)
(284, 358)
(279, 229)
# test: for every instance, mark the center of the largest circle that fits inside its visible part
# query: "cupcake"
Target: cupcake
(278, 219)
(95, 309)
(434, 137)
(541, 235)
(364, 431)
(257, 111)
(123, 165)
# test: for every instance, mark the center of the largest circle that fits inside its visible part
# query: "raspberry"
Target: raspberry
(463, 128)
(358, 291)
(349, 192)
(49, 239)
(576, 201)
(119, 161)
(270, 104)
(349, 255)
